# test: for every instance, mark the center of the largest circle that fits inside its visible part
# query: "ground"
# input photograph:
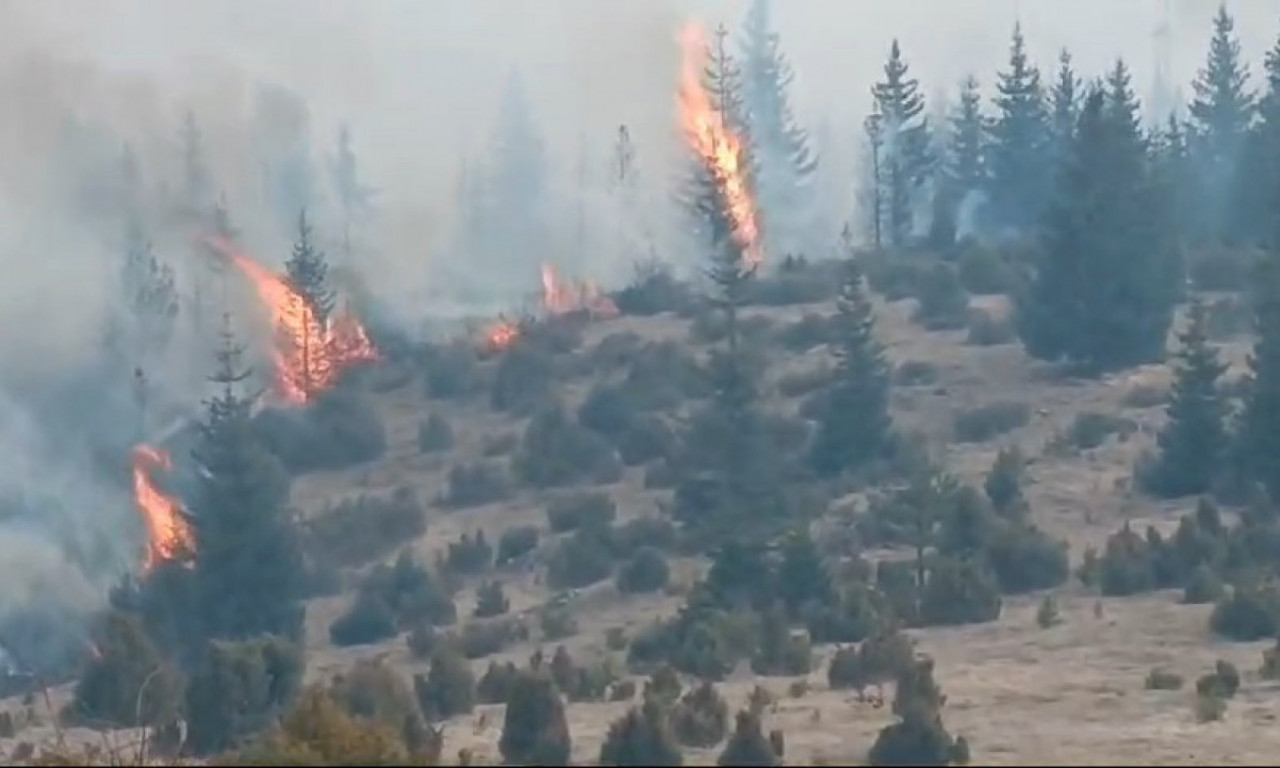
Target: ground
(1020, 694)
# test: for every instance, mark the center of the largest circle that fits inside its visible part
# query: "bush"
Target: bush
(607, 409)
(664, 374)
(1221, 683)
(557, 623)
(942, 302)
(959, 592)
(470, 555)
(985, 422)
(645, 439)
(523, 381)
(646, 571)
(485, 638)
(879, 658)
(647, 531)
(985, 272)
(748, 745)
(448, 689)
(118, 687)
(780, 652)
(238, 689)
(986, 330)
(316, 731)
(1228, 318)
(1270, 669)
(340, 429)
(1048, 615)
(1209, 708)
(592, 510)
(368, 620)
(435, 434)
(641, 737)
(615, 639)
(896, 278)
(915, 373)
(579, 561)
(491, 600)
(653, 289)
(534, 730)
(495, 685)
(783, 289)
(501, 444)
(1247, 612)
(1091, 429)
(372, 691)
(1003, 484)
(612, 352)
(1203, 586)
(701, 717)
(810, 331)
(1163, 680)
(516, 542)
(364, 528)
(555, 451)
(474, 484)
(452, 372)
(1023, 559)
(423, 640)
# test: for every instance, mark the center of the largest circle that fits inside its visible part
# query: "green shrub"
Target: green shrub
(339, 430)
(557, 623)
(579, 561)
(810, 331)
(985, 422)
(915, 373)
(368, 620)
(491, 600)
(1247, 612)
(516, 543)
(1091, 429)
(364, 528)
(486, 637)
(524, 379)
(474, 484)
(556, 451)
(448, 689)
(435, 434)
(452, 372)
(127, 683)
(470, 555)
(986, 330)
(534, 730)
(646, 571)
(985, 272)
(238, 689)
(592, 510)
(942, 302)
(646, 438)
(1163, 680)
(652, 290)
(701, 717)
(640, 737)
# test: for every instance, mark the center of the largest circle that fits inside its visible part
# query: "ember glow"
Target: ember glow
(720, 147)
(501, 335)
(168, 533)
(308, 358)
(560, 296)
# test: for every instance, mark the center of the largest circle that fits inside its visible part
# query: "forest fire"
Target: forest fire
(560, 296)
(501, 335)
(168, 533)
(309, 356)
(709, 135)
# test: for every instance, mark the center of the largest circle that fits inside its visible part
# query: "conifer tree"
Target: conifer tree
(247, 564)
(641, 737)
(354, 197)
(1064, 106)
(905, 161)
(803, 580)
(1193, 442)
(1018, 158)
(855, 426)
(1258, 190)
(1258, 432)
(785, 163)
(919, 737)
(747, 744)
(1104, 290)
(1221, 113)
(151, 297)
(967, 146)
(308, 272)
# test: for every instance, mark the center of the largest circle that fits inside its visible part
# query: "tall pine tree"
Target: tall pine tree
(1258, 431)
(308, 272)
(150, 298)
(1258, 189)
(855, 426)
(1194, 440)
(1105, 288)
(964, 180)
(904, 161)
(247, 566)
(785, 163)
(1064, 106)
(1018, 156)
(1221, 113)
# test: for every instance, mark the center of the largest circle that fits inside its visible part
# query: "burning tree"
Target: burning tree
(308, 273)
(246, 574)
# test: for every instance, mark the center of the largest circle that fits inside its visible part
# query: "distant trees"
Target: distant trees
(1104, 290)
(1258, 435)
(355, 198)
(1018, 156)
(904, 158)
(967, 168)
(150, 298)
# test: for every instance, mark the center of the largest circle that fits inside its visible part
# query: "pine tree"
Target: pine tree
(785, 163)
(1258, 430)
(905, 159)
(855, 426)
(641, 737)
(1258, 190)
(967, 165)
(748, 745)
(354, 197)
(308, 272)
(1018, 156)
(1221, 113)
(1064, 106)
(803, 580)
(247, 566)
(534, 730)
(150, 298)
(1104, 291)
(1193, 442)
(919, 737)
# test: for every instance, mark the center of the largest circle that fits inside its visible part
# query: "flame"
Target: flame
(719, 146)
(169, 534)
(563, 296)
(308, 358)
(501, 335)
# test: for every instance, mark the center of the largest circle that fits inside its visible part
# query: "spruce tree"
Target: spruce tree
(641, 737)
(247, 564)
(967, 162)
(1104, 290)
(1064, 106)
(803, 580)
(150, 297)
(905, 161)
(919, 737)
(354, 198)
(1258, 432)
(308, 272)
(1193, 441)
(1221, 113)
(1258, 190)
(785, 163)
(1018, 156)
(855, 426)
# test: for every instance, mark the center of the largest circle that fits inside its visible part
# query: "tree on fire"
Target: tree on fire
(248, 564)
(308, 272)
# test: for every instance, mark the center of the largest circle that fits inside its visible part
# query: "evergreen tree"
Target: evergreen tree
(1018, 156)
(150, 296)
(1221, 113)
(967, 164)
(247, 568)
(919, 737)
(1104, 291)
(641, 737)
(308, 272)
(1258, 189)
(785, 163)
(534, 730)
(354, 197)
(747, 744)
(905, 160)
(803, 580)
(1258, 432)
(1064, 106)
(855, 426)
(1176, 175)
(1193, 442)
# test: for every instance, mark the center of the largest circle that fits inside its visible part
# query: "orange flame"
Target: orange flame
(563, 296)
(718, 145)
(499, 336)
(169, 534)
(308, 358)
